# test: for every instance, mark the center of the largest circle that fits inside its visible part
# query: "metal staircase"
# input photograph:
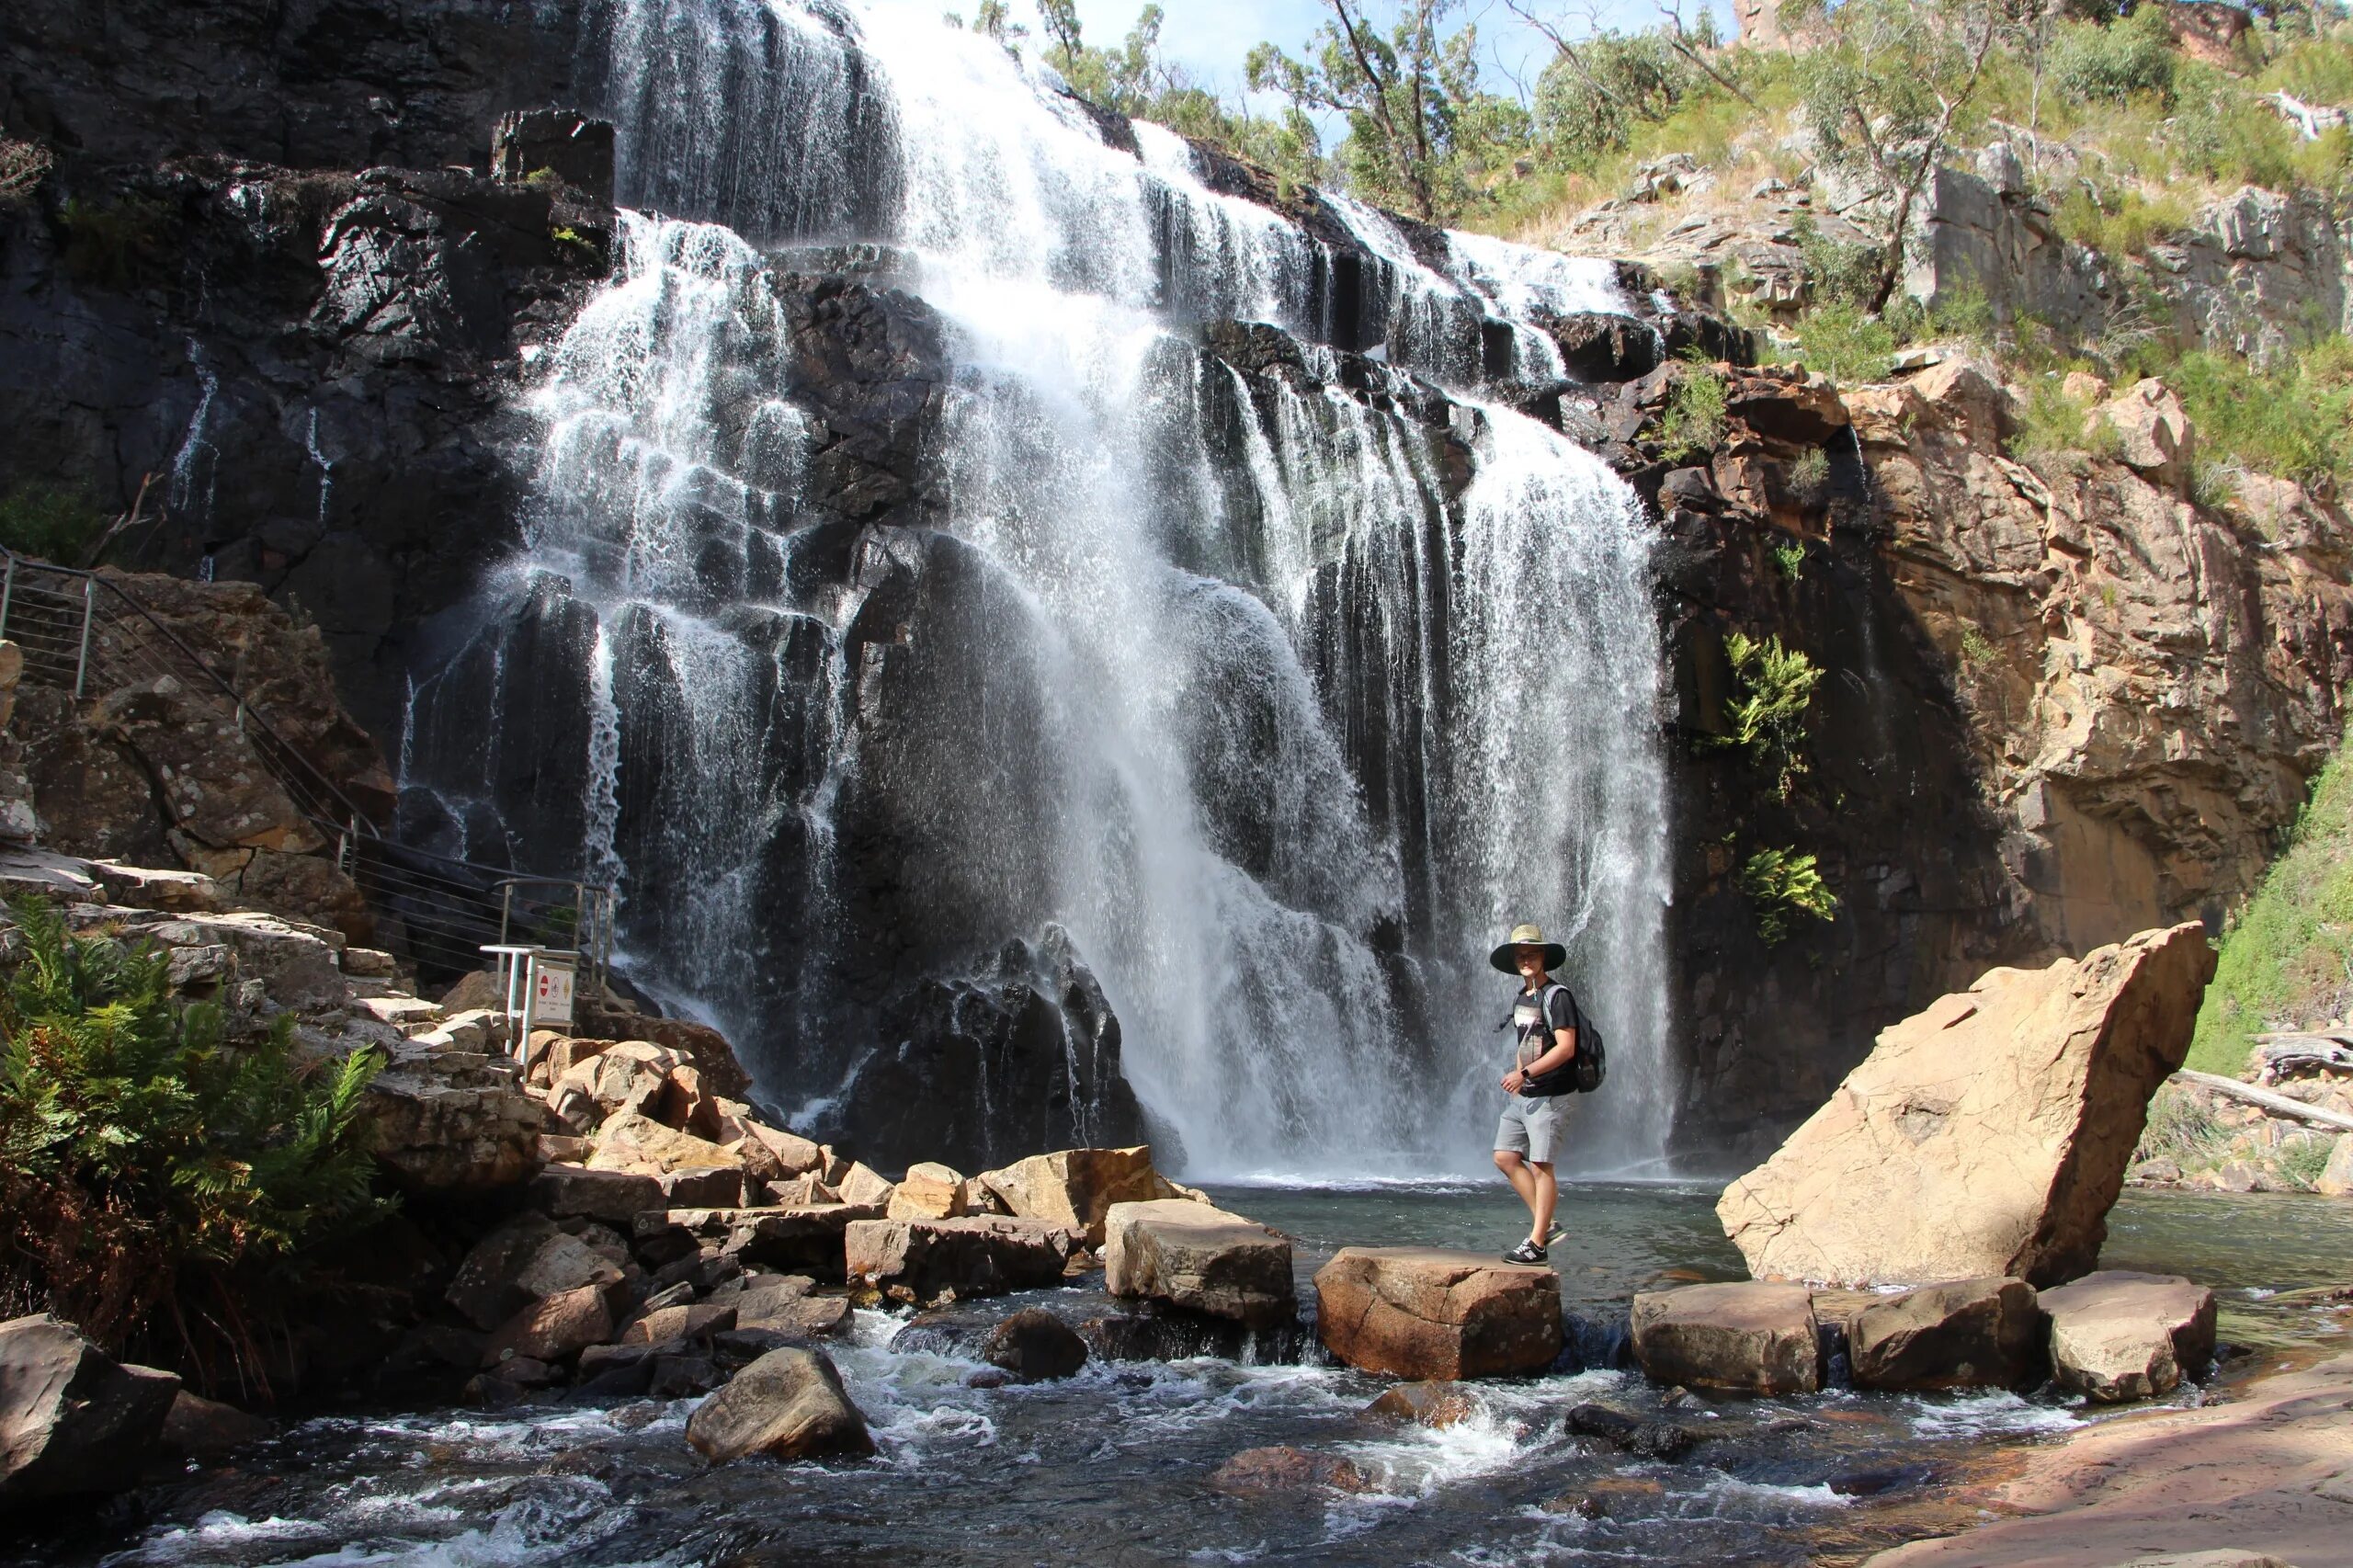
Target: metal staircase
(85, 632)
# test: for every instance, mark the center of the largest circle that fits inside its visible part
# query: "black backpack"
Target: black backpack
(1585, 1070)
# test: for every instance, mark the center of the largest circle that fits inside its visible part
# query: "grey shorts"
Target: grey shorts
(1532, 1125)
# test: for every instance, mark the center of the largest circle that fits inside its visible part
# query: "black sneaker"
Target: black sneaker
(1526, 1252)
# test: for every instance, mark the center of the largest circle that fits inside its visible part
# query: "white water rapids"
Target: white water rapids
(1275, 717)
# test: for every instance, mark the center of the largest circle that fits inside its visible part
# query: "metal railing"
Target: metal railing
(86, 631)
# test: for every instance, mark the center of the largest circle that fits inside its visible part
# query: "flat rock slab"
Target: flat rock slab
(1737, 1338)
(789, 1404)
(1918, 1169)
(2262, 1476)
(617, 1197)
(1964, 1334)
(2117, 1336)
(933, 1260)
(805, 1239)
(1204, 1259)
(1423, 1313)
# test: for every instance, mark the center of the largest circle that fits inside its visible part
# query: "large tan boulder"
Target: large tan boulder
(1204, 1259)
(1077, 1187)
(1423, 1314)
(1986, 1136)
(927, 1191)
(2117, 1335)
(788, 1403)
(1740, 1338)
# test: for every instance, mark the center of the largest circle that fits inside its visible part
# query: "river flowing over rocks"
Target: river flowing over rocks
(1094, 628)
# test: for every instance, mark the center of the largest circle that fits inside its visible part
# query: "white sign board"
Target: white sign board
(550, 990)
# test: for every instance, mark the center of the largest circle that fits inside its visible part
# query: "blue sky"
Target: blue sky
(1211, 36)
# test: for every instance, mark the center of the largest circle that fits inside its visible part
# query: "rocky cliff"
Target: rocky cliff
(2059, 703)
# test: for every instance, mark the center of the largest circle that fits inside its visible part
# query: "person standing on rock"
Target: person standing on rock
(1544, 1022)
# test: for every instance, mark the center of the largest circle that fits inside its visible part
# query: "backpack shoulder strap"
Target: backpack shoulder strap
(1576, 1013)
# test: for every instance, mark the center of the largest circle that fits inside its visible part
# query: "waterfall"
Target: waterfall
(1130, 594)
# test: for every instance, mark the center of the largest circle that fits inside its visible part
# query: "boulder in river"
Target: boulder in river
(1986, 1136)
(932, 1260)
(1257, 1472)
(1435, 1403)
(790, 1403)
(1201, 1258)
(2117, 1335)
(1632, 1434)
(1426, 1313)
(1963, 1333)
(1739, 1339)
(1034, 1346)
(74, 1422)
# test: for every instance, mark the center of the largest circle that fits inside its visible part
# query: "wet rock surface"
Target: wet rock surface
(1742, 1338)
(2117, 1335)
(72, 1421)
(788, 1405)
(1199, 1258)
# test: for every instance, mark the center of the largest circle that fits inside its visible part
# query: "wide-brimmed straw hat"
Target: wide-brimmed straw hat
(1506, 958)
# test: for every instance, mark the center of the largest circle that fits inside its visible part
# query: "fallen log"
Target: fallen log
(2278, 1105)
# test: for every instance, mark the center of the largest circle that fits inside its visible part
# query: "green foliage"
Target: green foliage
(2121, 219)
(2051, 423)
(2116, 59)
(1844, 344)
(1789, 556)
(2181, 1127)
(157, 1186)
(125, 244)
(1837, 272)
(23, 167)
(1693, 421)
(1767, 716)
(2302, 1156)
(2287, 960)
(1423, 135)
(1976, 648)
(51, 522)
(2295, 420)
(1781, 884)
(1596, 96)
(1810, 479)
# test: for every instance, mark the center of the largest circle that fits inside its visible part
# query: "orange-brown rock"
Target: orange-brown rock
(1985, 1136)
(1422, 1312)
(1740, 1338)
(1077, 1187)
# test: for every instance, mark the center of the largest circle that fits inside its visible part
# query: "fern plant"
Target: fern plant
(1781, 884)
(1767, 717)
(160, 1186)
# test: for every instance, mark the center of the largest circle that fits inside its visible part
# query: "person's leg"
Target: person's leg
(1516, 1170)
(1541, 1201)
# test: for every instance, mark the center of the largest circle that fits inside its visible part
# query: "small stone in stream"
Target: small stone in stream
(524, 1372)
(487, 1393)
(1433, 1403)
(207, 1431)
(1256, 1471)
(1884, 1478)
(1596, 1500)
(1651, 1439)
(1035, 1346)
(987, 1378)
(788, 1403)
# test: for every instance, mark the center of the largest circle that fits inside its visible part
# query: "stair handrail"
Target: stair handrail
(318, 797)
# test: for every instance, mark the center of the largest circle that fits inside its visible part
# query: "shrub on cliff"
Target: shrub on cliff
(2287, 961)
(158, 1186)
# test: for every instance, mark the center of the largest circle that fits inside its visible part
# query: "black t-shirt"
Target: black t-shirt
(1536, 1035)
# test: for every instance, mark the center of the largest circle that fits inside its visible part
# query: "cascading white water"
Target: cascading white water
(1280, 710)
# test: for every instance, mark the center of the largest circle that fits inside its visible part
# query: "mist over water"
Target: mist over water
(1281, 715)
